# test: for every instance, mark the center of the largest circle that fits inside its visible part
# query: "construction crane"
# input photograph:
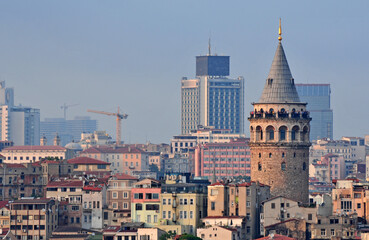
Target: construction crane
(119, 118)
(65, 107)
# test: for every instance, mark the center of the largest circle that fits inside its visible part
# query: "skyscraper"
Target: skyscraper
(17, 123)
(279, 130)
(318, 97)
(212, 99)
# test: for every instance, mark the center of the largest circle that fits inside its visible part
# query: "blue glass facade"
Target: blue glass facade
(318, 97)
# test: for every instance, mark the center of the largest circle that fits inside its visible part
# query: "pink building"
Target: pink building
(226, 159)
(331, 166)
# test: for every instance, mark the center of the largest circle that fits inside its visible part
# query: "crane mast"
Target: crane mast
(119, 118)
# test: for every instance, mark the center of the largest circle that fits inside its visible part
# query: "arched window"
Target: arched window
(259, 155)
(270, 133)
(294, 154)
(270, 155)
(282, 133)
(304, 166)
(283, 154)
(259, 133)
(252, 133)
(259, 166)
(305, 134)
(294, 133)
(283, 166)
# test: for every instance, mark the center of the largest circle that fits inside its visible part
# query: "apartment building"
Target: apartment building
(27, 154)
(94, 200)
(145, 198)
(222, 160)
(69, 193)
(331, 166)
(119, 198)
(87, 164)
(183, 204)
(36, 218)
(123, 159)
(4, 214)
(241, 200)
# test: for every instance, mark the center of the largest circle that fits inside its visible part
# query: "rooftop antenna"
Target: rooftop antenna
(280, 31)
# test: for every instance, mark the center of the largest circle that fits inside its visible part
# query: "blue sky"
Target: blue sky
(101, 54)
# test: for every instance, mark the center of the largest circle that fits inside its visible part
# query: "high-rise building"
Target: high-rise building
(17, 123)
(279, 131)
(318, 99)
(68, 130)
(212, 99)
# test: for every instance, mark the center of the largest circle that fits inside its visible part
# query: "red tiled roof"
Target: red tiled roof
(35, 148)
(107, 149)
(14, 165)
(122, 176)
(276, 236)
(91, 188)
(112, 229)
(3, 204)
(217, 184)
(65, 184)
(87, 160)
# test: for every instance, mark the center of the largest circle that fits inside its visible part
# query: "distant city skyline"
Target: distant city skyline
(134, 54)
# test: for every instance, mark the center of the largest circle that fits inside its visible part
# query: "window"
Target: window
(185, 214)
(155, 218)
(359, 205)
(191, 214)
(332, 232)
(75, 208)
(283, 166)
(322, 232)
(191, 201)
(169, 201)
(149, 218)
(259, 167)
(181, 201)
(115, 205)
(115, 195)
(273, 205)
(138, 196)
(169, 214)
(212, 205)
(164, 201)
(125, 194)
(248, 204)
(310, 216)
(164, 214)
(155, 196)
(125, 205)
(185, 201)
(138, 206)
(180, 214)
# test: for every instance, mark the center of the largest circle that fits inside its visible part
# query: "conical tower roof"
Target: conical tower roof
(280, 85)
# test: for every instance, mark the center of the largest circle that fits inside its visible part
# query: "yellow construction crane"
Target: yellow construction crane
(119, 116)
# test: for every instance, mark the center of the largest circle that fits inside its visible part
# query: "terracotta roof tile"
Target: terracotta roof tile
(107, 149)
(122, 176)
(71, 183)
(87, 161)
(34, 148)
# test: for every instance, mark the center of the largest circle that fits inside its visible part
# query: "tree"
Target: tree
(186, 236)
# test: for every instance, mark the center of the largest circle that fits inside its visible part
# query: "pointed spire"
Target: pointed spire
(280, 86)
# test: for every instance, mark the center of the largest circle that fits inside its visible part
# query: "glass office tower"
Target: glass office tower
(318, 97)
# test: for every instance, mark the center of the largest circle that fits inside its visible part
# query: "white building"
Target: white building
(17, 123)
(27, 154)
(94, 199)
(202, 135)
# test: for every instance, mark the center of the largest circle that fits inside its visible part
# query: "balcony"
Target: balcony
(271, 115)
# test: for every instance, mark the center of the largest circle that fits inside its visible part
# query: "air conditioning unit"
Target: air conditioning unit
(24, 230)
(19, 221)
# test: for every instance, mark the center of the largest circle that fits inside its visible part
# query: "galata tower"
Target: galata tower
(279, 132)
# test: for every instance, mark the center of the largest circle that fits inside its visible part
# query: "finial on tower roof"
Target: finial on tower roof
(280, 31)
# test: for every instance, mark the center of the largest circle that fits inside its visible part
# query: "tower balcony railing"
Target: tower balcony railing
(292, 115)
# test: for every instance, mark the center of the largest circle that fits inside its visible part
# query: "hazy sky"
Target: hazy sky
(132, 54)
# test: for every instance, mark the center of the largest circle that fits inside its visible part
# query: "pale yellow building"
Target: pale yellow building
(4, 214)
(86, 164)
(27, 154)
(218, 233)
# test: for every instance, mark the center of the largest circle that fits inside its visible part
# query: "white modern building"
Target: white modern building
(212, 99)
(17, 123)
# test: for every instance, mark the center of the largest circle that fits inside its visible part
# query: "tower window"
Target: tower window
(270, 155)
(304, 166)
(283, 166)
(283, 154)
(282, 133)
(259, 155)
(259, 166)
(294, 154)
